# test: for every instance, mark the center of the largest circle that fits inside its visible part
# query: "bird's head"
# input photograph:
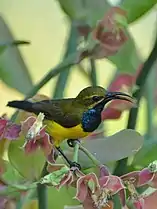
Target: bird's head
(93, 96)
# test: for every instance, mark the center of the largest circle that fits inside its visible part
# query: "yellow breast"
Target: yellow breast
(59, 133)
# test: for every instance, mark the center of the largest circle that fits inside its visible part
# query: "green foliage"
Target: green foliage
(132, 140)
(146, 154)
(71, 48)
(29, 166)
(136, 9)
(128, 50)
(55, 177)
(11, 175)
(87, 11)
(13, 70)
(24, 172)
(58, 199)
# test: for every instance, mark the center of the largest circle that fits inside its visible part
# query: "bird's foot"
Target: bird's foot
(75, 165)
(71, 163)
(72, 142)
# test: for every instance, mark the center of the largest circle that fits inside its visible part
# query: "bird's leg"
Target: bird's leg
(72, 142)
(71, 163)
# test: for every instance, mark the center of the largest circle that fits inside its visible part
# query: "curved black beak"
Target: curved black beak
(119, 95)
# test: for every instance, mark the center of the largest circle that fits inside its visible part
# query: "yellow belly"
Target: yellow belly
(59, 133)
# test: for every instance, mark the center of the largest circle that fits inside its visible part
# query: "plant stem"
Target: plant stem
(76, 150)
(67, 62)
(121, 167)
(42, 190)
(83, 71)
(92, 157)
(71, 48)
(150, 87)
(93, 72)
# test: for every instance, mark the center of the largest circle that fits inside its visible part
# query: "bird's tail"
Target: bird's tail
(22, 105)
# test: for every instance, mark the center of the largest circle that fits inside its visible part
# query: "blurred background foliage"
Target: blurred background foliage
(47, 27)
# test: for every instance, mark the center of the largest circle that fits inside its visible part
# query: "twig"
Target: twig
(67, 62)
(71, 47)
(42, 190)
(76, 150)
(121, 167)
(93, 73)
(83, 71)
(90, 156)
(150, 85)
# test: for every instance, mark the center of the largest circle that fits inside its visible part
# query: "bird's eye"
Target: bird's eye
(96, 98)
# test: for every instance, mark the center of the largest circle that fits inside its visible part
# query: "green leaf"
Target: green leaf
(87, 11)
(65, 196)
(116, 200)
(4, 46)
(136, 8)
(11, 175)
(90, 12)
(28, 165)
(9, 191)
(55, 177)
(127, 50)
(74, 9)
(13, 70)
(146, 154)
(107, 149)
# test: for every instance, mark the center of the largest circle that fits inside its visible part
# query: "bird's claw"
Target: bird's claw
(76, 165)
(72, 142)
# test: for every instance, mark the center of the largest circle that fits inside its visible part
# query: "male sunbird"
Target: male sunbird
(72, 118)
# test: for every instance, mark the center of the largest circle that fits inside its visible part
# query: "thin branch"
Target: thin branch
(89, 155)
(67, 62)
(81, 69)
(42, 190)
(121, 167)
(71, 47)
(150, 102)
(76, 151)
(93, 73)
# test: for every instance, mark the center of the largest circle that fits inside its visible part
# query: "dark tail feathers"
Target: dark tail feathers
(23, 105)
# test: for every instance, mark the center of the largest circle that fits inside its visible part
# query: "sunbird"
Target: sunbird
(72, 118)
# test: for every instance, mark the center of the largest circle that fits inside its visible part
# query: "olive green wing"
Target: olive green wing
(60, 111)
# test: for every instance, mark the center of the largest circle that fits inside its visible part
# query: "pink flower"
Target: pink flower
(109, 42)
(123, 82)
(9, 130)
(110, 20)
(108, 36)
(97, 192)
(40, 140)
(139, 178)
